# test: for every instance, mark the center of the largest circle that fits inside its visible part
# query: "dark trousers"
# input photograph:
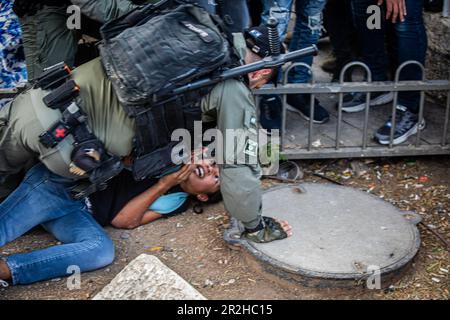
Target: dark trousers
(343, 36)
(410, 43)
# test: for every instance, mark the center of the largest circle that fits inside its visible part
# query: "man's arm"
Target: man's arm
(136, 213)
(104, 10)
(133, 213)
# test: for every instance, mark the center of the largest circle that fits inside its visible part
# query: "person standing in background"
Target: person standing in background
(405, 18)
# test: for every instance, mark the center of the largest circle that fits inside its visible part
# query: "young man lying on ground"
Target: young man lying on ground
(127, 204)
(44, 198)
(124, 204)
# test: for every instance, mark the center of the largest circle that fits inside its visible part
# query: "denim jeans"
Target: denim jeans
(307, 31)
(234, 12)
(42, 199)
(280, 9)
(410, 43)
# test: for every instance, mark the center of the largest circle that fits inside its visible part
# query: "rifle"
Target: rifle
(267, 63)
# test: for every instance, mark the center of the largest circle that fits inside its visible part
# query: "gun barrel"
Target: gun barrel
(267, 63)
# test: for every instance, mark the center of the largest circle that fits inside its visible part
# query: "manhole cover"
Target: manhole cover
(339, 233)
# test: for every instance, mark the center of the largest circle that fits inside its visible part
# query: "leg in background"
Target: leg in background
(280, 9)
(411, 34)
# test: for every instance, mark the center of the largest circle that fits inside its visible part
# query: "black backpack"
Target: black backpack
(152, 51)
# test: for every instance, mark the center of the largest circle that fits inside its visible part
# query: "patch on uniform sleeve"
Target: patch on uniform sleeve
(251, 148)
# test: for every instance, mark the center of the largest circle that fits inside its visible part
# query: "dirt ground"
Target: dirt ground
(192, 244)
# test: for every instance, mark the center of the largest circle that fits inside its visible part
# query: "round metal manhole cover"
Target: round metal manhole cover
(338, 233)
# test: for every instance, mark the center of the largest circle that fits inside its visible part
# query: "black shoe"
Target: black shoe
(355, 102)
(270, 113)
(407, 124)
(300, 103)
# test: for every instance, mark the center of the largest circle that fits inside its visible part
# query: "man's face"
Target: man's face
(257, 78)
(204, 179)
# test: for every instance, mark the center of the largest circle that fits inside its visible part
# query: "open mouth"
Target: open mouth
(200, 172)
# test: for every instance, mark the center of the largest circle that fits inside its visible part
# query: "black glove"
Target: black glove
(86, 157)
(269, 230)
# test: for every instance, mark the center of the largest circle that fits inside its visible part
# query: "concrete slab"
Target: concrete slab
(147, 278)
(339, 234)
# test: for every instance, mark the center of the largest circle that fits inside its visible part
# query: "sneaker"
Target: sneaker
(355, 102)
(270, 113)
(300, 103)
(407, 124)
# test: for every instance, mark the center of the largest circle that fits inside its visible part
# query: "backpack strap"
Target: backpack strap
(53, 76)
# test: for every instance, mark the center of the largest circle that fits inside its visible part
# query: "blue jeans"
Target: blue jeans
(280, 9)
(410, 43)
(234, 12)
(307, 31)
(42, 199)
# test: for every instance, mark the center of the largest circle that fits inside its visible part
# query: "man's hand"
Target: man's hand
(286, 226)
(174, 179)
(395, 9)
(198, 155)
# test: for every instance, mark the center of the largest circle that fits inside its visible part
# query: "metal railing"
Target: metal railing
(369, 87)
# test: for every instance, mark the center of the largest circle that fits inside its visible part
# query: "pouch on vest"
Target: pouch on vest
(53, 76)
